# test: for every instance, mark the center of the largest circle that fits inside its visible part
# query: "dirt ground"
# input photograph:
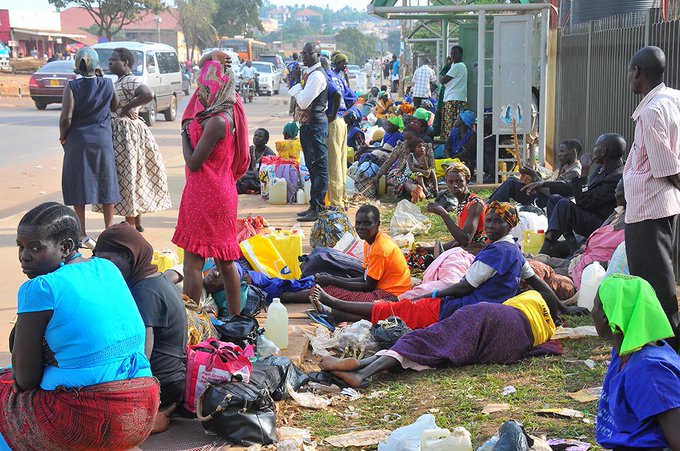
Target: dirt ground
(12, 84)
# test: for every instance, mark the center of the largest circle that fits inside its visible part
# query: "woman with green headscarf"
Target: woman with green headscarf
(89, 169)
(640, 401)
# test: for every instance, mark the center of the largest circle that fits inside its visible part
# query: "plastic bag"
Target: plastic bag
(266, 347)
(407, 438)
(352, 245)
(408, 218)
(386, 332)
(356, 339)
(405, 242)
(511, 437)
(265, 258)
(291, 376)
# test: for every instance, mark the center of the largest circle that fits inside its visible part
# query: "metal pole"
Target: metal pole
(543, 102)
(481, 80)
(386, 10)
(586, 137)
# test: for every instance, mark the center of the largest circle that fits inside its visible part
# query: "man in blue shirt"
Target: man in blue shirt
(395, 74)
(293, 74)
(340, 98)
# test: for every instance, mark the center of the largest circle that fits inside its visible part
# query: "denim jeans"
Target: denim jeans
(315, 150)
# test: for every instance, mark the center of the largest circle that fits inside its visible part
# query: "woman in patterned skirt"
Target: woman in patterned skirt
(141, 172)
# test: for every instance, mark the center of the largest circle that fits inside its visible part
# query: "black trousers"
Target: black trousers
(566, 218)
(649, 250)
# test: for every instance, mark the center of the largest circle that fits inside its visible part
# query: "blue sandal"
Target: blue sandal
(321, 318)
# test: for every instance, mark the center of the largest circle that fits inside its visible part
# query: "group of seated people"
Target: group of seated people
(495, 307)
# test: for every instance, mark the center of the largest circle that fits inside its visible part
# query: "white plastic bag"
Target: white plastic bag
(408, 218)
(405, 242)
(407, 438)
(351, 244)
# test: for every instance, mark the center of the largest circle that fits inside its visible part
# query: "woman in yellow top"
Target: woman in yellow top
(290, 147)
(384, 108)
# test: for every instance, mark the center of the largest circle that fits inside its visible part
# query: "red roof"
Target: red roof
(308, 13)
(76, 19)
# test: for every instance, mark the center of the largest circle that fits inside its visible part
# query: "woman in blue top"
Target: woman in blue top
(78, 330)
(463, 131)
(640, 402)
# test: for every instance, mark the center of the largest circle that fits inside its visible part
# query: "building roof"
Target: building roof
(308, 13)
(278, 11)
(75, 19)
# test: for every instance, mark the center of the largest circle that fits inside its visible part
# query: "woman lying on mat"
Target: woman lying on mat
(483, 333)
(494, 277)
(79, 377)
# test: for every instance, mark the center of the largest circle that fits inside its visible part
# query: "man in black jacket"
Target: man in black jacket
(594, 198)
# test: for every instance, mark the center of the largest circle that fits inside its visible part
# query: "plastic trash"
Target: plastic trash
(266, 347)
(408, 218)
(592, 277)
(350, 244)
(300, 197)
(444, 440)
(276, 325)
(407, 438)
(511, 437)
(349, 186)
(489, 444)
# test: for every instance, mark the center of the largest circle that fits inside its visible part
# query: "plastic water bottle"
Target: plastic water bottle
(278, 192)
(592, 277)
(276, 325)
(443, 440)
(300, 197)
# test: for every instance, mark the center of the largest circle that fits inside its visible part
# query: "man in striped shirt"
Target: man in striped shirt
(652, 171)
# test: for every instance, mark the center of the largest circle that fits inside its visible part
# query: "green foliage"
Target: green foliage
(356, 45)
(238, 17)
(110, 16)
(195, 18)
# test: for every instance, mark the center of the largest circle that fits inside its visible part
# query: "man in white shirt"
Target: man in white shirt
(311, 96)
(368, 68)
(423, 77)
(455, 91)
(652, 170)
(250, 74)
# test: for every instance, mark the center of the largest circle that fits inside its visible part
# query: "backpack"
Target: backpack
(330, 227)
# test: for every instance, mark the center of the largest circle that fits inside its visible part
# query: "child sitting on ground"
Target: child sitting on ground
(422, 170)
(290, 147)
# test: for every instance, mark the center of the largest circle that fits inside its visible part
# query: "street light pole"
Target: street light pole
(158, 27)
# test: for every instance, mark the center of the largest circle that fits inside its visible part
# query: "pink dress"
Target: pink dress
(206, 224)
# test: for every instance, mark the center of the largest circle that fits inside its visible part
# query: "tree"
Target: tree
(394, 41)
(110, 16)
(195, 17)
(361, 46)
(235, 17)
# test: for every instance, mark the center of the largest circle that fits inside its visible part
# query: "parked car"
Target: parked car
(276, 60)
(47, 83)
(353, 70)
(157, 66)
(269, 79)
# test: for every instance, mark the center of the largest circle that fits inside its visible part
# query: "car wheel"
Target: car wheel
(150, 116)
(269, 93)
(171, 113)
(39, 105)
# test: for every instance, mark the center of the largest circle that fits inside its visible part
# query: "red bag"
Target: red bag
(251, 226)
(213, 361)
(277, 160)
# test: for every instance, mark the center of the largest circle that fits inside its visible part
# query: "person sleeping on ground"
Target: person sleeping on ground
(386, 272)
(483, 333)
(640, 402)
(160, 305)
(78, 363)
(494, 277)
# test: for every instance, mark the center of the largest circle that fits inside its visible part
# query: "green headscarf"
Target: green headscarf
(422, 114)
(632, 307)
(397, 121)
(291, 129)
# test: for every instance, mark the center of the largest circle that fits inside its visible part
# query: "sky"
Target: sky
(44, 5)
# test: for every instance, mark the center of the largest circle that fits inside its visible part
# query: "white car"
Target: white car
(353, 70)
(269, 79)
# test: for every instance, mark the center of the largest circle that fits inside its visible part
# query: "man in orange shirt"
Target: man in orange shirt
(386, 273)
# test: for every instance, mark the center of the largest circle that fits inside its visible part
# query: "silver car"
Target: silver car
(269, 77)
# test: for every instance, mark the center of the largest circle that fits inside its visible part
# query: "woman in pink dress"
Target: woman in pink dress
(215, 149)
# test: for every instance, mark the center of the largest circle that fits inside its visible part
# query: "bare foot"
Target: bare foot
(350, 377)
(331, 363)
(316, 295)
(162, 422)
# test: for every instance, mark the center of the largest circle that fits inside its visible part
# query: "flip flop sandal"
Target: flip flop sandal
(321, 318)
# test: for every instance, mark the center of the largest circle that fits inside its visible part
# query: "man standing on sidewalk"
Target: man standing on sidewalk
(423, 78)
(395, 75)
(340, 97)
(652, 172)
(311, 95)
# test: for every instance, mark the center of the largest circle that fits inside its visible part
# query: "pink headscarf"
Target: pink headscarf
(220, 90)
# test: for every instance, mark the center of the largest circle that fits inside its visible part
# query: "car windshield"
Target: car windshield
(262, 68)
(58, 67)
(137, 66)
(353, 67)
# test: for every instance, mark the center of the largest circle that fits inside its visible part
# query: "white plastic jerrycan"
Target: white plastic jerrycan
(276, 325)
(591, 278)
(444, 440)
(278, 192)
